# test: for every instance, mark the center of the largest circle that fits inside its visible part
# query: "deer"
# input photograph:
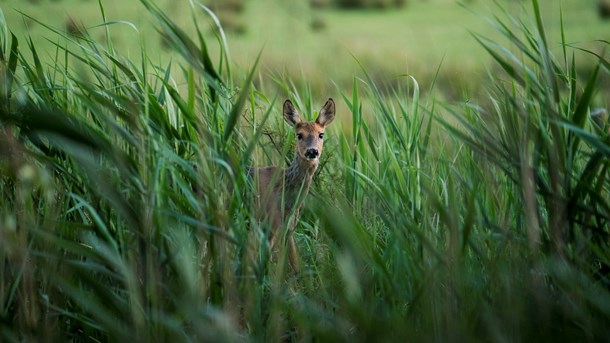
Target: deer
(280, 191)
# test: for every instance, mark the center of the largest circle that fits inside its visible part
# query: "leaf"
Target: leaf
(238, 106)
(582, 109)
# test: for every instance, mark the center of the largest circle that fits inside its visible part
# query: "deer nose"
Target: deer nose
(311, 153)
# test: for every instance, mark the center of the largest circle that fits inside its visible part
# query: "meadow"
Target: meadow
(321, 47)
(126, 209)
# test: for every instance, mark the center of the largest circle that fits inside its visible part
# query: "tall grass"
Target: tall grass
(126, 213)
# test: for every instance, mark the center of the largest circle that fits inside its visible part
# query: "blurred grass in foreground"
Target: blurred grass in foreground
(125, 215)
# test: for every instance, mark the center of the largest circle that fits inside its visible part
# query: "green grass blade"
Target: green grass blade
(238, 106)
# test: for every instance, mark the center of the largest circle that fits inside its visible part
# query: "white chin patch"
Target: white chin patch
(311, 158)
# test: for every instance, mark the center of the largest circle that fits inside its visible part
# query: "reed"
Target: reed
(125, 214)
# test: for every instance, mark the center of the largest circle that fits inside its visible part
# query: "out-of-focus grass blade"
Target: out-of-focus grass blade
(35, 119)
(97, 220)
(9, 74)
(593, 139)
(545, 54)
(221, 36)
(116, 22)
(165, 80)
(238, 106)
(183, 105)
(207, 62)
(582, 108)
(12, 62)
(197, 57)
(539, 23)
(129, 73)
(508, 68)
(604, 62)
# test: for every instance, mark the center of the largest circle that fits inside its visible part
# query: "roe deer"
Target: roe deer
(281, 190)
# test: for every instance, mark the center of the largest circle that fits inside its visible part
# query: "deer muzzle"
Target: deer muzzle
(311, 154)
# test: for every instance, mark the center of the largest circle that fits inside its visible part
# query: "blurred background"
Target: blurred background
(324, 42)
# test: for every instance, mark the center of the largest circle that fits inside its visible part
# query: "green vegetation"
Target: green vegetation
(317, 46)
(126, 213)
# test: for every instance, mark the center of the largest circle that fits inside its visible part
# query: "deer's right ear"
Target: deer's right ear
(291, 115)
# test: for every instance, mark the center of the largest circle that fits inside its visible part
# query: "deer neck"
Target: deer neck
(299, 174)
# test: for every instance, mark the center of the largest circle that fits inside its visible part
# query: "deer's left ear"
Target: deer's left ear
(327, 113)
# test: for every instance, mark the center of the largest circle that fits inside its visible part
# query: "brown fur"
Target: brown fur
(280, 191)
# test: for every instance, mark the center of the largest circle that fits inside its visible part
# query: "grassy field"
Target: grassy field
(127, 211)
(414, 40)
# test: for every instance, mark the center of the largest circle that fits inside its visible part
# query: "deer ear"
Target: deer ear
(291, 115)
(327, 113)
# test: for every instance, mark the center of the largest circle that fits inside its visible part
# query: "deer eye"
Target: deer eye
(322, 135)
(299, 136)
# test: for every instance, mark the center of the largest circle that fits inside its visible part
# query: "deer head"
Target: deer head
(310, 135)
